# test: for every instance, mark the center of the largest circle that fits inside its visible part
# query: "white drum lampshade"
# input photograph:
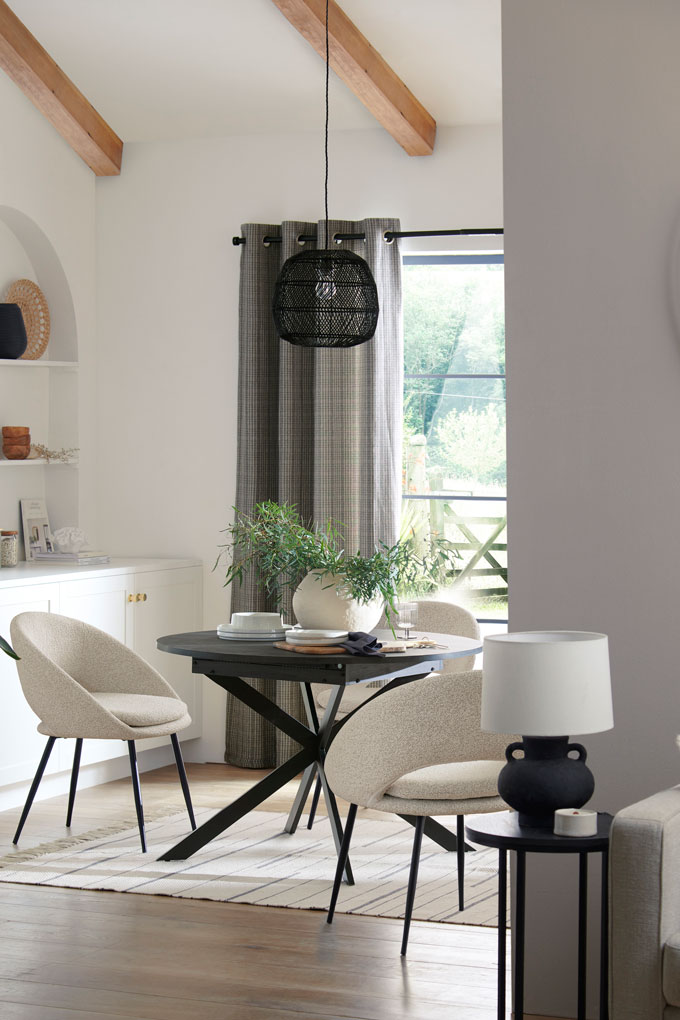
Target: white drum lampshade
(546, 685)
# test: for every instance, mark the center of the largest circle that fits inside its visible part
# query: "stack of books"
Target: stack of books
(83, 558)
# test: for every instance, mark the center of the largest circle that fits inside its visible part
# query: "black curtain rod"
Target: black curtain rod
(390, 235)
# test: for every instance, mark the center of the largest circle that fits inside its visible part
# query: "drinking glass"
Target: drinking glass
(407, 613)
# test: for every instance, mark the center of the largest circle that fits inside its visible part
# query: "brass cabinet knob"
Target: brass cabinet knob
(142, 598)
(139, 597)
(131, 598)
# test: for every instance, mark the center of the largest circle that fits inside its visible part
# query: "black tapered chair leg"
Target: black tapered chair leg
(134, 772)
(315, 803)
(460, 855)
(74, 780)
(34, 787)
(184, 783)
(342, 860)
(412, 880)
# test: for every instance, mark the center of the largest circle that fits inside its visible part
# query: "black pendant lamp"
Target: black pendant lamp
(327, 297)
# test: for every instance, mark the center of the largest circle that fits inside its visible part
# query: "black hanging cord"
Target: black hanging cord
(389, 236)
(325, 187)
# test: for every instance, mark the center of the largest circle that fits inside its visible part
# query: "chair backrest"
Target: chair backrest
(440, 617)
(62, 660)
(427, 722)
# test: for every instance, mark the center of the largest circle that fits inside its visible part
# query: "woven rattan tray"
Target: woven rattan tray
(33, 305)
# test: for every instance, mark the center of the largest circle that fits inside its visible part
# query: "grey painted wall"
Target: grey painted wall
(592, 206)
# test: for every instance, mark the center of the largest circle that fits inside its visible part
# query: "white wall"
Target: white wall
(592, 205)
(167, 279)
(47, 194)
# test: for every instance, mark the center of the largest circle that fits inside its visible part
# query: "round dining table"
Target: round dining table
(230, 664)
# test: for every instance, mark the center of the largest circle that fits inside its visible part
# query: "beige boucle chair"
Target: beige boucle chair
(83, 683)
(418, 750)
(433, 618)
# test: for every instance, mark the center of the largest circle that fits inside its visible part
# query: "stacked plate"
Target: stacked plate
(231, 633)
(311, 638)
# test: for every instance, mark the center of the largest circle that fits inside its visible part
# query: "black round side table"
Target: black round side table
(503, 831)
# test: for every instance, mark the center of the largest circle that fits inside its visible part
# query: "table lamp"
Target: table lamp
(546, 685)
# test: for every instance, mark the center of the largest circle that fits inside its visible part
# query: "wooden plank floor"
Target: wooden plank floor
(69, 955)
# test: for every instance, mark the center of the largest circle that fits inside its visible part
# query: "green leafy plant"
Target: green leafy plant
(274, 542)
(434, 560)
(7, 649)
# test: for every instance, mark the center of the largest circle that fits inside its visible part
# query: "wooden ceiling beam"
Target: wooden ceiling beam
(365, 72)
(42, 80)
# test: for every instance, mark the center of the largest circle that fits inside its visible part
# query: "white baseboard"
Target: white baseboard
(14, 796)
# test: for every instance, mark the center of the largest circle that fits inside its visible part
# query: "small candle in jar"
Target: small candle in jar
(575, 822)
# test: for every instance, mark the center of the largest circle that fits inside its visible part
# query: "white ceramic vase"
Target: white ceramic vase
(318, 605)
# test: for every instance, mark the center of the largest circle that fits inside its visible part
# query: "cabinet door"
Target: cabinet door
(173, 605)
(103, 603)
(20, 744)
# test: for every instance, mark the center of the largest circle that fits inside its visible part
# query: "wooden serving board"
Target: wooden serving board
(311, 649)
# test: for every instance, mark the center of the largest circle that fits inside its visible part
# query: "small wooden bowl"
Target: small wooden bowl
(14, 431)
(13, 452)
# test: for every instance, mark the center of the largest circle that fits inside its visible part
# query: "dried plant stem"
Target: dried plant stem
(64, 456)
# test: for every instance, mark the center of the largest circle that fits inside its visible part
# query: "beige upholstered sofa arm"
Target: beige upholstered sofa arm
(427, 722)
(644, 881)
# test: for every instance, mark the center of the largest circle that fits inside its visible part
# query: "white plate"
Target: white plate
(226, 628)
(301, 632)
(313, 642)
(274, 636)
(320, 642)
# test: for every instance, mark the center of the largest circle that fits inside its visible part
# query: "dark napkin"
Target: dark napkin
(358, 643)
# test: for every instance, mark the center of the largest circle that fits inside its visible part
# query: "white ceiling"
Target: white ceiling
(171, 69)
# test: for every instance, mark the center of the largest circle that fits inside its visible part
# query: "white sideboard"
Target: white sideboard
(135, 600)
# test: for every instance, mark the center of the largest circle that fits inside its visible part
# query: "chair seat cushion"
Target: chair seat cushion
(352, 697)
(142, 709)
(671, 970)
(457, 781)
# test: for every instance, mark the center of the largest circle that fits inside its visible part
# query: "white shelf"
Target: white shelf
(39, 363)
(29, 462)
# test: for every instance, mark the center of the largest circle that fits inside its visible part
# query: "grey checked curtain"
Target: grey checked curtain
(320, 428)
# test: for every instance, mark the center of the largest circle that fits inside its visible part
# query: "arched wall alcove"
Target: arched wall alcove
(39, 393)
(51, 278)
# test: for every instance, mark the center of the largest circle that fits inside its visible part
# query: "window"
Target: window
(454, 422)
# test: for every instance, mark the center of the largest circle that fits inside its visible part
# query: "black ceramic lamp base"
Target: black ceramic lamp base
(545, 779)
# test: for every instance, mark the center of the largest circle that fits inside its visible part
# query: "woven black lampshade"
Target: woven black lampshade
(325, 298)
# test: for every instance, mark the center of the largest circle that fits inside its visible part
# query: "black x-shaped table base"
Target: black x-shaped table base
(313, 739)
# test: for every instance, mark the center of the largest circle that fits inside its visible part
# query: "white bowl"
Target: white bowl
(254, 622)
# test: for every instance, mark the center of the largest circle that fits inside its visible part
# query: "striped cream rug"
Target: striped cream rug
(256, 862)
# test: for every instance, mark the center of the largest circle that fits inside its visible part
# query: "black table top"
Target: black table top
(502, 830)
(205, 644)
